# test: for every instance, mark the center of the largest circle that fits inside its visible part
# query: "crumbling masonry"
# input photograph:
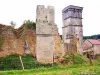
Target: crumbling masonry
(45, 44)
(47, 37)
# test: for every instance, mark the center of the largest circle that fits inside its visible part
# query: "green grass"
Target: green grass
(12, 62)
(10, 65)
(58, 70)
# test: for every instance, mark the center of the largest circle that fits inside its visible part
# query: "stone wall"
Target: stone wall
(44, 49)
(29, 36)
(45, 43)
(48, 41)
(15, 45)
(58, 48)
(11, 45)
(58, 44)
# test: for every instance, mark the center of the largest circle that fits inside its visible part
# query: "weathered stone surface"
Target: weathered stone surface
(58, 47)
(72, 12)
(44, 28)
(14, 45)
(44, 49)
(48, 41)
(72, 26)
(72, 21)
(44, 38)
(30, 37)
(45, 14)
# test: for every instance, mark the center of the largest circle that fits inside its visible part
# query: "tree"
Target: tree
(13, 24)
(30, 24)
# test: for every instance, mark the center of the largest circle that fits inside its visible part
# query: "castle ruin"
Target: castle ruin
(46, 32)
(45, 44)
(72, 28)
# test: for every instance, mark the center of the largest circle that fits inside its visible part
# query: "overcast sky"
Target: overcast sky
(20, 10)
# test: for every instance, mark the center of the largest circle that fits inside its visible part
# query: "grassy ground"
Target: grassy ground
(11, 66)
(58, 70)
(12, 62)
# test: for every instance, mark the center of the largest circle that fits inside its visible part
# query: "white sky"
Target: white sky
(20, 10)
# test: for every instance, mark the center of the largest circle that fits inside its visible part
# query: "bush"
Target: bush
(67, 58)
(30, 24)
(12, 62)
(74, 59)
(79, 59)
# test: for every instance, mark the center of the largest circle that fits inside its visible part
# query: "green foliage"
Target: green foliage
(13, 24)
(30, 24)
(1, 41)
(79, 59)
(74, 59)
(12, 62)
(67, 58)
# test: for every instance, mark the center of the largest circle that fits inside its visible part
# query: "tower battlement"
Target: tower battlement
(45, 14)
(39, 7)
(50, 7)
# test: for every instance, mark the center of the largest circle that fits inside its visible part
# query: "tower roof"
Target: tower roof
(72, 7)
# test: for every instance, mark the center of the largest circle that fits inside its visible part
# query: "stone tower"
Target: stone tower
(44, 33)
(72, 27)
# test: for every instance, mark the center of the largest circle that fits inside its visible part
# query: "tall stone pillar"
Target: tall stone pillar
(44, 37)
(72, 27)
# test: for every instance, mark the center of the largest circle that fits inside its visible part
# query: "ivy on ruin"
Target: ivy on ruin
(26, 25)
(2, 39)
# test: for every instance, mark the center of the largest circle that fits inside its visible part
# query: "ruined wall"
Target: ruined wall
(48, 41)
(45, 44)
(11, 45)
(14, 41)
(29, 36)
(58, 48)
(58, 44)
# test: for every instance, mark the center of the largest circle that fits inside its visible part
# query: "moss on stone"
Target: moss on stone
(1, 41)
